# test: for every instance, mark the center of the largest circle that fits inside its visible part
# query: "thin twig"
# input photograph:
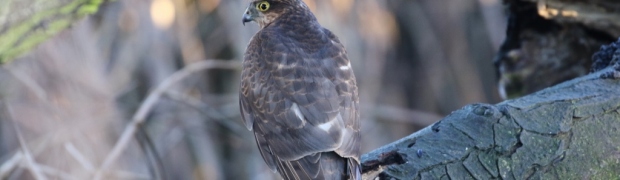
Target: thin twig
(29, 160)
(15, 161)
(150, 101)
(209, 112)
(156, 166)
(88, 166)
(54, 172)
(10, 164)
(79, 157)
(28, 82)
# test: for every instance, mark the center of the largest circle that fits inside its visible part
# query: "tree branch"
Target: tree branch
(26, 23)
(150, 101)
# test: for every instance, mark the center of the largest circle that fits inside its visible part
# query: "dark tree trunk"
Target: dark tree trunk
(566, 131)
(548, 42)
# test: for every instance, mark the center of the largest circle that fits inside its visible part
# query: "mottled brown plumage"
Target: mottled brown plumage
(299, 95)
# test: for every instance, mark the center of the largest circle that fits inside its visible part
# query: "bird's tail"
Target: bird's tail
(325, 165)
(354, 169)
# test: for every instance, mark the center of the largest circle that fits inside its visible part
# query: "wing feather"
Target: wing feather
(301, 105)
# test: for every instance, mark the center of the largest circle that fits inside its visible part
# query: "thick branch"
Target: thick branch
(569, 130)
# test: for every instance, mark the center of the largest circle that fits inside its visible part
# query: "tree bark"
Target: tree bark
(26, 23)
(567, 131)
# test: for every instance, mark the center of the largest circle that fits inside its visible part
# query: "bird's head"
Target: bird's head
(265, 12)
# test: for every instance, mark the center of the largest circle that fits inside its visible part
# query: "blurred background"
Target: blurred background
(67, 102)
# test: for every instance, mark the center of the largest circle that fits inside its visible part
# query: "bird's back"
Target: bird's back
(299, 96)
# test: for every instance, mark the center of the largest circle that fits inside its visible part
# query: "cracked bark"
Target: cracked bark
(570, 130)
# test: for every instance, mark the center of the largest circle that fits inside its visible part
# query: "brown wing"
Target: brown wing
(301, 101)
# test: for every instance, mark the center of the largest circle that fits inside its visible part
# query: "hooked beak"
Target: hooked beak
(247, 16)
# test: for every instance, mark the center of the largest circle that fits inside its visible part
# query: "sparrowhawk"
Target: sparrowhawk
(299, 95)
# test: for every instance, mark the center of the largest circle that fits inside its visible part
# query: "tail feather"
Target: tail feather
(320, 166)
(354, 169)
(287, 171)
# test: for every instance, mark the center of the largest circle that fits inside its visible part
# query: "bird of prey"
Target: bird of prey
(299, 95)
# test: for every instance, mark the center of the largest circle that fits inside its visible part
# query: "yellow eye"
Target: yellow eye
(262, 6)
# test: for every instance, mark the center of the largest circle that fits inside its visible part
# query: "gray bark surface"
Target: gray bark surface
(569, 131)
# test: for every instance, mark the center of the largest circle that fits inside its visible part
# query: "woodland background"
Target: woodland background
(69, 99)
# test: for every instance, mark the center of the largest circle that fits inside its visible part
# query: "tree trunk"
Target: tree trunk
(549, 42)
(562, 132)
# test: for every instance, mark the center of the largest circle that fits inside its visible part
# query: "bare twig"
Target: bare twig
(16, 160)
(27, 157)
(10, 164)
(210, 112)
(28, 82)
(150, 101)
(79, 157)
(54, 172)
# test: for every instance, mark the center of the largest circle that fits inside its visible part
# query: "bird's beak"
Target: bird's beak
(247, 16)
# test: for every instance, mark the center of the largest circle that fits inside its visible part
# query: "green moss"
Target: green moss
(42, 25)
(91, 7)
